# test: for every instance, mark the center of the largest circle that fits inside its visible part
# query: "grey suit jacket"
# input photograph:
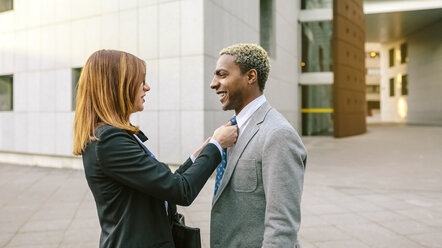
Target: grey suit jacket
(258, 202)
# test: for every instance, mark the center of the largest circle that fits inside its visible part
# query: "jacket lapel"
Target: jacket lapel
(235, 152)
(142, 136)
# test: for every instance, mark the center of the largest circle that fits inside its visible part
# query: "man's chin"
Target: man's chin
(226, 107)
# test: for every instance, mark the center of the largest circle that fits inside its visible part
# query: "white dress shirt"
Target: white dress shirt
(244, 116)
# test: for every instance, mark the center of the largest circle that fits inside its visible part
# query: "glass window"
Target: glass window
(75, 77)
(6, 5)
(6, 93)
(373, 89)
(316, 4)
(267, 31)
(404, 53)
(317, 110)
(373, 105)
(391, 86)
(404, 87)
(391, 55)
(316, 46)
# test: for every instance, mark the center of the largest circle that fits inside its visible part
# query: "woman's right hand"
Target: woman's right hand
(226, 135)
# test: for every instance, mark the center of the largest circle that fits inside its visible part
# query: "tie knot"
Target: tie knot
(233, 120)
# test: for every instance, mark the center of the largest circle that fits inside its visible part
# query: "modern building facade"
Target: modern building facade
(333, 70)
(373, 81)
(45, 43)
(408, 36)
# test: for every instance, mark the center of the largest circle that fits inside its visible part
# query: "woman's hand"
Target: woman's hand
(226, 135)
(197, 152)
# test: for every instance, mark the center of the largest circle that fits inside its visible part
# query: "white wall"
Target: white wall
(425, 75)
(230, 22)
(391, 105)
(424, 100)
(42, 40)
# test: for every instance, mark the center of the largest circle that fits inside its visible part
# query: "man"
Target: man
(258, 195)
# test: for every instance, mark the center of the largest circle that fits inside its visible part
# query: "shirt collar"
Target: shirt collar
(248, 110)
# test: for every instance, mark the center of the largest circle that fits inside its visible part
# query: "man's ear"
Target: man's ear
(252, 76)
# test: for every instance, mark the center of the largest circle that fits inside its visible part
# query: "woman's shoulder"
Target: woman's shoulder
(107, 130)
(111, 137)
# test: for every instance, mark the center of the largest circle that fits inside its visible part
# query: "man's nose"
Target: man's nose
(214, 84)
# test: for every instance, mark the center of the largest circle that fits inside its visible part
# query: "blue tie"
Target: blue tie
(222, 166)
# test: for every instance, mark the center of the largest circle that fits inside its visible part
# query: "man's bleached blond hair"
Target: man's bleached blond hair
(250, 56)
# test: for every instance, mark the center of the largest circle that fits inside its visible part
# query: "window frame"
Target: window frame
(392, 87)
(267, 32)
(9, 8)
(11, 82)
(307, 58)
(404, 86)
(391, 57)
(75, 77)
(404, 53)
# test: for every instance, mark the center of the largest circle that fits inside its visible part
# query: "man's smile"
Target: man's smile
(221, 94)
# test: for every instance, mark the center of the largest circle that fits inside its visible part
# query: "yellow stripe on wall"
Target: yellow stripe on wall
(317, 110)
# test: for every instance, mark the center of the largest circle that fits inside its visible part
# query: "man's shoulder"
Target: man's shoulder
(274, 120)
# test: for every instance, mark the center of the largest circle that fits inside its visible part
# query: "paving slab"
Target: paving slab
(379, 189)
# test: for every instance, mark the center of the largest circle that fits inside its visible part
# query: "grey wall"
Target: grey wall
(425, 75)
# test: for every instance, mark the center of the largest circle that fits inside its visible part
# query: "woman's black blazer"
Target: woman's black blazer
(130, 187)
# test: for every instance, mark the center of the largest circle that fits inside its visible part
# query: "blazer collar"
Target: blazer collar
(235, 152)
(142, 136)
(99, 130)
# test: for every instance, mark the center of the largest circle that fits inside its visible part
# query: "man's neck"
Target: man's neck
(249, 100)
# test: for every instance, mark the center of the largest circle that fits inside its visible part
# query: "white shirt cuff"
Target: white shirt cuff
(217, 145)
(213, 142)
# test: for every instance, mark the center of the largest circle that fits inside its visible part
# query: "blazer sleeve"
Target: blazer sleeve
(283, 166)
(122, 159)
(184, 166)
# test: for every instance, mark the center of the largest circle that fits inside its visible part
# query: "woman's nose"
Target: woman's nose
(146, 87)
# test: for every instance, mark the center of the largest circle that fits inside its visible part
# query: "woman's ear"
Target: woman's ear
(252, 76)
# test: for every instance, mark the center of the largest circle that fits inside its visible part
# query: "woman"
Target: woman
(131, 188)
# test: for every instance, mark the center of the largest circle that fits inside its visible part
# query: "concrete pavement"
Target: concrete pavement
(380, 189)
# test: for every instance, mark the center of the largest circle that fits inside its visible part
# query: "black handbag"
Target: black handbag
(184, 236)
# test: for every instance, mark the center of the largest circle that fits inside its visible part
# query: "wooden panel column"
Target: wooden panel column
(348, 43)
